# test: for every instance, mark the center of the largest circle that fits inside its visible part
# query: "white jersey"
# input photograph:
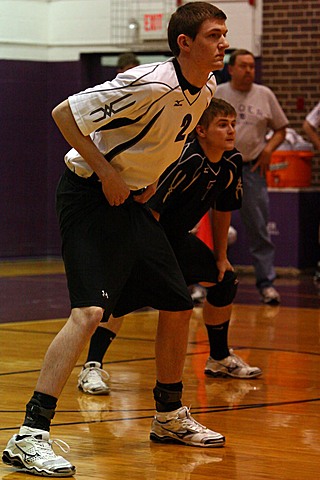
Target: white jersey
(314, 116)
(140, 120)
(258, 110)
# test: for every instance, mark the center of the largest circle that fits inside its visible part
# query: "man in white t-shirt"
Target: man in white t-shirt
(258, 111)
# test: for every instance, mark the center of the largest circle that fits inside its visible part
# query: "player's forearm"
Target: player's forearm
(113, 187)
(220, 228)
(64, 120)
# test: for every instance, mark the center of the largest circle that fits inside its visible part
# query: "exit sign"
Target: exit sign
(153, 22)
(153, 25)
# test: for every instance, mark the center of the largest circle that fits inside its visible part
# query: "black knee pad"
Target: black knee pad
(223, 293)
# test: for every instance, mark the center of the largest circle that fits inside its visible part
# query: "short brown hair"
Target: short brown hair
(188, 19)
(236, 53)
(217, 107)
(126, 59)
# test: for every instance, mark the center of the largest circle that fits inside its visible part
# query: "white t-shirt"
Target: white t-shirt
(314, 116)
(139, 121)
(258, 110)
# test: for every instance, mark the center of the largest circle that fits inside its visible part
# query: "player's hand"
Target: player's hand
(115, 189)
(147, 194)
(223, 266)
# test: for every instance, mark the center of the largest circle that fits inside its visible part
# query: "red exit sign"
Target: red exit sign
(152, 22)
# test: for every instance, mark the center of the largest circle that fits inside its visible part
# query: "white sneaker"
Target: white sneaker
(92, 379)
(179, 427)
(231, 366)
(270, 296)
(31, 451)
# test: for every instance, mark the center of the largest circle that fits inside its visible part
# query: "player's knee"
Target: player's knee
(93, 314)
(87, 318)
(223, 293)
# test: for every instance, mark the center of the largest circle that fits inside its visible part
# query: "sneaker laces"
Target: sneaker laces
(45, 445)
(190, 423)
(237, 359)
(93, 374)
(61, 444)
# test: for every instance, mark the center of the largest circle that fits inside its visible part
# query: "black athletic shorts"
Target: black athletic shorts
(118, 258)
(195, 259)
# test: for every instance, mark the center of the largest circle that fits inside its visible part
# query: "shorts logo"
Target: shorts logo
(104, 294)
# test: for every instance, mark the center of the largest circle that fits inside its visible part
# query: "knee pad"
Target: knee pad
(223, 293)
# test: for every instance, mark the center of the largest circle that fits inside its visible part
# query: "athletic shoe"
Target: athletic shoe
(92, 379)
(270, 296)
(231, 366)
(31, 451)
(179, 427)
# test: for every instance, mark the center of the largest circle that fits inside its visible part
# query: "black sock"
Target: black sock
(100, 342)
(168, 396)
(218, 339)
(40, 411)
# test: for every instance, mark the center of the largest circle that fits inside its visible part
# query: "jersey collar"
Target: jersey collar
(184, 84)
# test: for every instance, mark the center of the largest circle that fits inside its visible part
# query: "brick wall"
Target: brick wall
(291, 59)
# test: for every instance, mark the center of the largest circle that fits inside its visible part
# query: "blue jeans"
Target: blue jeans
(255, 216)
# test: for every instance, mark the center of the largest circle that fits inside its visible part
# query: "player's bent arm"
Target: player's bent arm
(114, 188)
(220, 227)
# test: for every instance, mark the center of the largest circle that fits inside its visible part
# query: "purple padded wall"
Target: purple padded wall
(31, 154)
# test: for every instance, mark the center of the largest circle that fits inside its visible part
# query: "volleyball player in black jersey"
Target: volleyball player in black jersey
(207, 176)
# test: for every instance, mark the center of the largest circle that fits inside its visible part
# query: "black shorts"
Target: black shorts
(195, 259)
(117, 258)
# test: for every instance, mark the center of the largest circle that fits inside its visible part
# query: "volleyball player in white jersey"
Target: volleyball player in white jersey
(124, 133)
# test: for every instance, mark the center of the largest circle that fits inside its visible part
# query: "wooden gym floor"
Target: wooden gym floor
(271, 424)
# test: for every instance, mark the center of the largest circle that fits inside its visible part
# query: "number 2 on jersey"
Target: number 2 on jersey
(184, 125)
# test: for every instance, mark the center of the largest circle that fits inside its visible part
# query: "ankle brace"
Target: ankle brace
(37, 416)
(167, 399)
(166, 396)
